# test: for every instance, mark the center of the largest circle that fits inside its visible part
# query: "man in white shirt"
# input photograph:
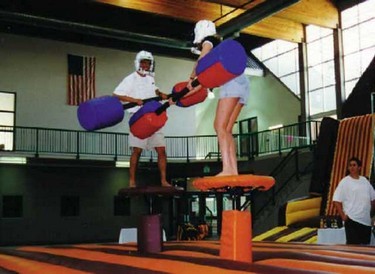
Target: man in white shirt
(354, 199)
(134, 88)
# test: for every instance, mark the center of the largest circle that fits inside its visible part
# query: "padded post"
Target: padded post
(235, 241)
(149, 237)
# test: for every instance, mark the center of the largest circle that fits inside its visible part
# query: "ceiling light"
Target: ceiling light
(276, 126)
(122, 164)
(13, 160)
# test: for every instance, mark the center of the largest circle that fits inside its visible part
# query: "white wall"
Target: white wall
(271, 102)
(36, 69)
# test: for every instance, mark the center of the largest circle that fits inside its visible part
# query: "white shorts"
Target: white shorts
(156, 140)
(238, 87)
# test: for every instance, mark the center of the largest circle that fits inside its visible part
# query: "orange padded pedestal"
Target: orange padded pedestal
(248, 182)
(235, 241)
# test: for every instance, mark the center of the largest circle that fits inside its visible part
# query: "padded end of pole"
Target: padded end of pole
(145, 122)
(191, 100)
(100, 113)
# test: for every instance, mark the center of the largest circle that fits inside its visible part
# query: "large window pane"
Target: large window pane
(366, 58)
(281, 58)
(272, 65)
(7, 115)
(292, 82)
(329, 98)
(349, 85)
(352, 66)
(327, 48)
(316, 33)
(7, 119)
(328, 73)
(269, 50)
(316, 102)
(313, 33)
(314, 53)
(287, 63)
(320, 69)
(349, 17)
(7, 101)
(366, 10)
(358, 41)
(258, 53)
(367, 32)
(351, 40)
(315, 77)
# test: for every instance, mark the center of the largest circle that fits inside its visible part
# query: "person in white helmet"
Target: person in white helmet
(233, 96)
(134, 88)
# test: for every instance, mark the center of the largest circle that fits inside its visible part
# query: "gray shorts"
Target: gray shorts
(156, 140)
(238, 87)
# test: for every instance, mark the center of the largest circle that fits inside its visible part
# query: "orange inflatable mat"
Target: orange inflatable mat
(222, 183)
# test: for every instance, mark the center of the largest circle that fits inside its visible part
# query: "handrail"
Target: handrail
(293, 154)
(78, 143)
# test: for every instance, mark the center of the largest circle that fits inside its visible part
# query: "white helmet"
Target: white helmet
(144, 55)
(203, 28)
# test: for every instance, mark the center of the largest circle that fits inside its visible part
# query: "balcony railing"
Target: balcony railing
(81, 144)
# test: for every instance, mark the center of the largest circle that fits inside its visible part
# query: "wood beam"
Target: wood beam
(277, 28)
(274, 27)
(316, 12)
(246, 4)
(253, 16)
(187, 10)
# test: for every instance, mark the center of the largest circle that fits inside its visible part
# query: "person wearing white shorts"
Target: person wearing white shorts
(237, 88)
(233, 96)
(134, 88)
(154, 141)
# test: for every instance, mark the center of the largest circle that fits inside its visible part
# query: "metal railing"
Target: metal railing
(291, 161)
(79, 144)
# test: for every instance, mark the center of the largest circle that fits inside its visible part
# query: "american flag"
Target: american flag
(81, 79)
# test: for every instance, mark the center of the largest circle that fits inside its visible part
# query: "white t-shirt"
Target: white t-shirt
(137, 86)
(356, 196)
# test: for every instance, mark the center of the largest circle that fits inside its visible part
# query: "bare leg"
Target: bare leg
(227, 112)
(232, 147)
(136, 153)
(162, 164)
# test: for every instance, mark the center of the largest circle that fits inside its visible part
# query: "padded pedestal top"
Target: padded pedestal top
(247, 182)
(151, 190)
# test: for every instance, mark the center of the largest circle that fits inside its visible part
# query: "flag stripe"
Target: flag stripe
(81, 79)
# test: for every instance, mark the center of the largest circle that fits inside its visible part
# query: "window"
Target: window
(358, 24)
(248, 143)
(7, 119)
(321, 70)
(281, 58)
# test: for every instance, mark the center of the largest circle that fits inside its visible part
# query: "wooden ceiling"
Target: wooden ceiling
(164, 26)
(286, 24)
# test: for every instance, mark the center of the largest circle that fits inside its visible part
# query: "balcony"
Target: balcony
(62, 143)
